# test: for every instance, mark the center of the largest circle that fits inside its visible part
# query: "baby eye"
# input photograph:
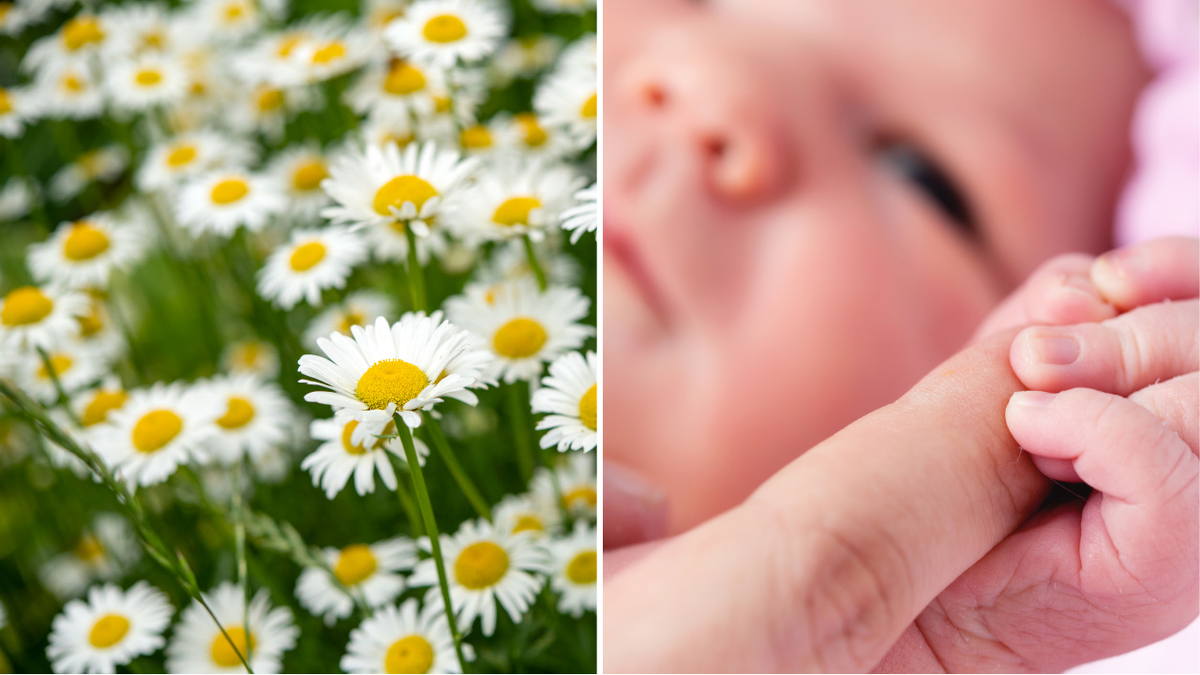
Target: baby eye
(916, 167)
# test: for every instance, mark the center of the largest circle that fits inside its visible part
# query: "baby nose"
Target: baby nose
(723, 113)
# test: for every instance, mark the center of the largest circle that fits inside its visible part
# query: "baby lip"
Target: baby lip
(619, 245)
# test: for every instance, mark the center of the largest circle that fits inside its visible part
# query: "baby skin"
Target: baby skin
(939, 506)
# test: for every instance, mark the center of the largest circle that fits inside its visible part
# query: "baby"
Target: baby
(809, 205)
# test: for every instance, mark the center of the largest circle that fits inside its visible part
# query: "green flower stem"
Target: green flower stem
(434, 431)
(63, 400)
(518, 418)
(410, 451)
(533, 262)
(410, 506)
(239, 539)
(416, 277)
(174, 563)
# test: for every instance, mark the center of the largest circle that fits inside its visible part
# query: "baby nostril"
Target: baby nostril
(655, 96)
(714, 147)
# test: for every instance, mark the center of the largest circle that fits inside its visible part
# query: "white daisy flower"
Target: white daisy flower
(300, 169)
(569, 395)
(520, 325)
(443, 32)
(269, 59)
(225, 20)
(157, 430)
(199, 646)
(256, 417)
(585, 216)
(384, 130)
(102, 164)
(397, 88)
(515, 199)
(569, 100)
(470, 363)
(75, 367)
(251, 356)
(84, 254)
(528, 135)
(358, 309)
(310, 262)
(576, 478)
(378, 14)
(525, 57)
(386, 369)
(111, 629)
(146, 81)
(266, 108)
(140, 28)
(383, 186)
(18, 195)
(526, 513)
(404, 641)
(221, 201)
(338, 458)
(98, 334)
(69, 90)
(13, 19)
(79, 38)
(485, 566)
(33, 316)
(105, 551)
(190, 154)
(91, 408)
(574, 577)
(16, 107)
(369, 569)
(334, 48)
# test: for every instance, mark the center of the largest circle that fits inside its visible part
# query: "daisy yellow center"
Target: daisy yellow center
(71, 83)
(400, 140)
(59, 363)
(154, 39)
(329, 53)
(308, 176)
(25, 306)
(84, 242)
(238, 413)
(587, 409)
(233, 12)
(349, 320)
(5, 102)
(355, 565)
(476, 137)
(229, 191)
(108, 631)
(347, 432)
(412, 654)
(444, 28)
(247, 355)
(181, 155)
(89, 548)
(480, 565)
(306, 256)
(148, 77)
(582, 568)
(528, 523)
(515, 211)
(403, 78)
(101, 404)
(5, 7)
(223, 653)
(383, 17)
(269, 99)
(390, 381)
(588, 109)
(406, 188)
(442, 103)
(531, 131)
(90, 323)
(288, 44)
(156, 429)
(520, 338)
(584, 496)
(80, 32)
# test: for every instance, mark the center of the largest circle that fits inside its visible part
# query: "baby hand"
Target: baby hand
(1115, 406)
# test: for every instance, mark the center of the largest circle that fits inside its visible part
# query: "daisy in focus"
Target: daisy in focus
(157, 430)
(199, 646)
(338, 458)
(381, 186)
(583, 217)
(514, 200)
(384, 370)
(569, 395)
(312, 261)
(403, 640)
(442, 32)
(484, 567)
(83, 254)
(575, 570)
(111, 629)
(371, 570)
(521, 326)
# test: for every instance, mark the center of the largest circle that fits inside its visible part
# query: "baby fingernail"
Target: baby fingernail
(1032, 399)
(1055, 350)
(1120, 264)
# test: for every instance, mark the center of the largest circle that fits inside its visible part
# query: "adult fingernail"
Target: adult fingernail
(1055, 350)
(1032, 399)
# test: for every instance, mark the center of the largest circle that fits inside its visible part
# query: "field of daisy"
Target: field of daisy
(297, 336)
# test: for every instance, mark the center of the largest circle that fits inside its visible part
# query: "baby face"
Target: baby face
(809, 205)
